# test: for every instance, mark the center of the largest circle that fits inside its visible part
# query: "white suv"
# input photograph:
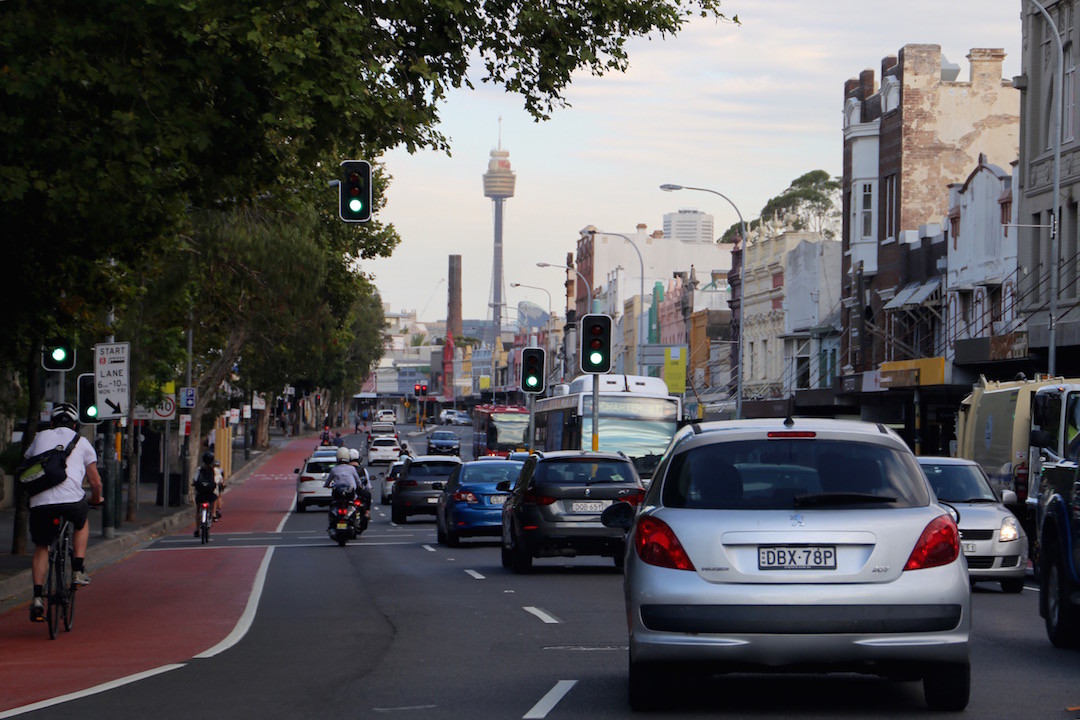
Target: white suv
(808, 543)
(383, 450)
(386, 416)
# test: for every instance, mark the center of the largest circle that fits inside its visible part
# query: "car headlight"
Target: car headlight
(1009, 530)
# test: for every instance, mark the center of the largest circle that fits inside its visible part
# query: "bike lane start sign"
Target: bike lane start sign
(112, 379)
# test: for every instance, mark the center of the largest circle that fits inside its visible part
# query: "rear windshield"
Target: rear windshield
(490, 473)
(583, 472)
(386, 429)
(319, 467)
(384, 442)
(431, 469)
(793, 474)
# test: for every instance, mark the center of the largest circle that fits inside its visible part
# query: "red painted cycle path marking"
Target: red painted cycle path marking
(137, 614)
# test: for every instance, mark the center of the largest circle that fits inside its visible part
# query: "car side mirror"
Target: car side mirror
(618, 515)
(1041, 439)
(297, 471)
(1008, 497)
(503, 486)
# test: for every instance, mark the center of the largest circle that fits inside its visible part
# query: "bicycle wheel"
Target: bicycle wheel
(54, 590)
(68, 580)
(204, 525)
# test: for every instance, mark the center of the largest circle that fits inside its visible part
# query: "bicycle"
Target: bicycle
(60, 584)
(206, 519)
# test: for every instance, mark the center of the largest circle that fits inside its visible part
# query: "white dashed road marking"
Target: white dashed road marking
(549, 619)
(549, 701)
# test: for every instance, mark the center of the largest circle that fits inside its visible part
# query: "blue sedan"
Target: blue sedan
(469, 505)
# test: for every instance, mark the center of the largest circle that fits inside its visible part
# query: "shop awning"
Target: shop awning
(901, 298)
(927, 291)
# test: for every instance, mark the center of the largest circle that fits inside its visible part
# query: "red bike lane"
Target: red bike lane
(137, 614)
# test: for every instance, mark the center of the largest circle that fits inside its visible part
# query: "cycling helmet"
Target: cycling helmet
(342, 455)
(208, 458)
(65, 413)
(354, 454)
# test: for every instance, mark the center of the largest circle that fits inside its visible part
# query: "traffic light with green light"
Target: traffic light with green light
(58, 355)
(87, 399)
(595, 346)
(354, 191)
(532, 370)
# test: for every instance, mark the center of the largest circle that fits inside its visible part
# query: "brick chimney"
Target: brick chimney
(986, 65)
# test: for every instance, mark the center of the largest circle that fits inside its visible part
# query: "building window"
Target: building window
(750, 360)
(764, 359)
(890, 206)
(954, 229)
(866, 211)
(802, 368)
(1006, 216)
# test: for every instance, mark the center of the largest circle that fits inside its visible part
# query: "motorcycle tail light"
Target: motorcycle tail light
(342, 511)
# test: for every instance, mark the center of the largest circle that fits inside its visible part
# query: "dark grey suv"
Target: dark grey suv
(419, 485)
(555, 505)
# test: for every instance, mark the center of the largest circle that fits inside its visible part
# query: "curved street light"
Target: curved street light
(588, 290)
(671, 187)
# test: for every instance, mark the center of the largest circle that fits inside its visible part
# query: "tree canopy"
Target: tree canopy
(812, 200)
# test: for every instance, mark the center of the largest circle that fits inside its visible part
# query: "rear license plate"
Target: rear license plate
(587, 507)
(433, 499)
(343, 526)
(969, 548)
(782, 557)
(497, 499)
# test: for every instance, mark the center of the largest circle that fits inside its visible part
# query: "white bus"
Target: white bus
(637, 416)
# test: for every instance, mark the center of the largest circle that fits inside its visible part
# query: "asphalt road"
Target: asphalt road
(394, 625)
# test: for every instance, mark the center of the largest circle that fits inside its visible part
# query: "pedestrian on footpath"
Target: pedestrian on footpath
(67, 500)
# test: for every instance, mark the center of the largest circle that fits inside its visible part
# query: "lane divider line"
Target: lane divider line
(549, 619)
(474, 574)
(547, 703)
(281, 524)
(429, 548)
(248, 616)
(103, 687)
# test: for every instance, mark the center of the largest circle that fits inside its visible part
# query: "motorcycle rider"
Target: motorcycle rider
(345, 478)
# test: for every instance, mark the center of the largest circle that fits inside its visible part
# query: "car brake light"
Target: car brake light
(656, 544)
(464, 496)
(791, 434)
(532, 498)
(635, 498)
(938, 545)
(307, 478)
(1020, 482)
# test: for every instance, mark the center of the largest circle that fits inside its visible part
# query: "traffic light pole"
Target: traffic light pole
(595, 412)
(532, 420)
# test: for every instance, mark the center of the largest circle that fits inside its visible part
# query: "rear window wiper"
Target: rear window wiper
(841, 499)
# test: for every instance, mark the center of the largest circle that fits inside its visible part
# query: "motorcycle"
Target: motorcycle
(348, 516)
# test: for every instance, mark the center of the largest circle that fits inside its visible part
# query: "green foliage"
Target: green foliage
(812, 200)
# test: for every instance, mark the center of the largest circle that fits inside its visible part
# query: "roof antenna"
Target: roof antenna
(790, 420)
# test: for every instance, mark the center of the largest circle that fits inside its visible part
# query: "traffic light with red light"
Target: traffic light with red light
(354, 191)
(416, 390)
(532, 370)
(595, 346)
(423, 389)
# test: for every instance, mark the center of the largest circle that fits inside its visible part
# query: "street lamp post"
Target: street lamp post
(640, 334)
(1056, 199)
(547, 339)
(670, 187)
(588, 289)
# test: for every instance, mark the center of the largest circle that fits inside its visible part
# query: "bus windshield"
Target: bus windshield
(643, 441)
(507, 431)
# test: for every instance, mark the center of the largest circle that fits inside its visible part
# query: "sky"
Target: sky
(741, 109)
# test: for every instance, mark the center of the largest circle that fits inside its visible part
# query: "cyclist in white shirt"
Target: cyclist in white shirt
(66, 500)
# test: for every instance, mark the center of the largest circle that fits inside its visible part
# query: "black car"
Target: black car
(419, 486)
(555, 505)
(443, 442)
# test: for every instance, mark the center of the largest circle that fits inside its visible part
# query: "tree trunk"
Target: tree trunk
(205, 386)
(36, 393)
(262, 430)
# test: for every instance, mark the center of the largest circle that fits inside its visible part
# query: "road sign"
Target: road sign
(186, 398)
(112, 377)
(164, 410)
(258, 401)
(234, 416)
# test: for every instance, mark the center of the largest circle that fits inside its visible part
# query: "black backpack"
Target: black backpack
(204, 483)
(45, 470)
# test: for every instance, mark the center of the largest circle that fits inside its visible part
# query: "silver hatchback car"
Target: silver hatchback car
(814, 545)
(991, 538)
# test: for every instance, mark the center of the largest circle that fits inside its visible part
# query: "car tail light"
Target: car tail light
(656, 544)
(788, 434)
(533, 498)
(307, 478)
(938, 545)
(464, 496)
(635, 498)
(1020, 482)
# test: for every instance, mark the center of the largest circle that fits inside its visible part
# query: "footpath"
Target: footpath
(151, 521)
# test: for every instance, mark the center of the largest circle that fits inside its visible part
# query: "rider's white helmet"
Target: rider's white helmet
(354, 454)
(342, 455)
